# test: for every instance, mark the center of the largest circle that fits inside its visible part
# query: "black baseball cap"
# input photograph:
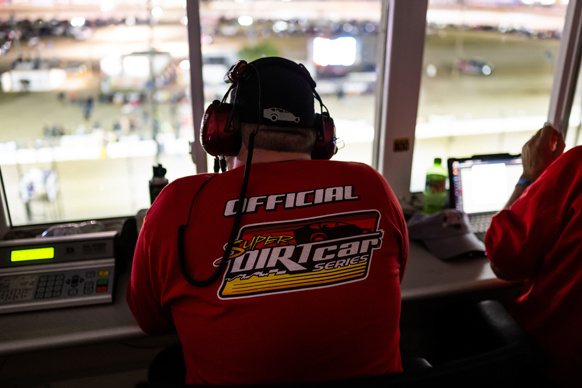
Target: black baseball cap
(275, 91)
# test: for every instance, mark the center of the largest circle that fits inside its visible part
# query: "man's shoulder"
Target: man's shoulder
(568, 163)
(183, 187)
(342, 165)
(574, 153)
(356, 173)
(359, 168)
(190, 180)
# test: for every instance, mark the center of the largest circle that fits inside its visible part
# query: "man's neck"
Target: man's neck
(265, 156)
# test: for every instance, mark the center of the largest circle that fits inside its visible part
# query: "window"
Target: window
(339, 47)
(110, 89)
(487, 78)
(92, 103)
(574, 135)
(89, 105)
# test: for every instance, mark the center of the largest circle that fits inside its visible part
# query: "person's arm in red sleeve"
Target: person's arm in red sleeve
(522, 233)
(143, 297)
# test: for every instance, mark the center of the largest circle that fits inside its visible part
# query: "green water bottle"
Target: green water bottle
(435, 193)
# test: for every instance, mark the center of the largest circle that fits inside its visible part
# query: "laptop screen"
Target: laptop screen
(483, 183)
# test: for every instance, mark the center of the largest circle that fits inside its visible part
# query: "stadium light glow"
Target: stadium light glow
(245, 20)
(334, 52)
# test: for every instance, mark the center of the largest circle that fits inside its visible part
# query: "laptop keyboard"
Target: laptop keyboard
(480, 223)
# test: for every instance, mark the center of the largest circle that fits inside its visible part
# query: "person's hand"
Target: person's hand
(540, 151)
(536, 155)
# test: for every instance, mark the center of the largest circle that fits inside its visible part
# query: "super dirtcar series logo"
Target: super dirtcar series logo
(301, 254)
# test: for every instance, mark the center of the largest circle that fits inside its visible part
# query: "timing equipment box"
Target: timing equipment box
(52, 272)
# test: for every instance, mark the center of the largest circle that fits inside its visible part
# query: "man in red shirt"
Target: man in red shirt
(537, 238)
(302, 282)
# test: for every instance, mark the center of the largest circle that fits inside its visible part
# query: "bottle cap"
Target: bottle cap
(159, 171)
(438, 160)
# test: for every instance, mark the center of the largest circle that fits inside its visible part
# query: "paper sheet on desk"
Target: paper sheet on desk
(446, 234)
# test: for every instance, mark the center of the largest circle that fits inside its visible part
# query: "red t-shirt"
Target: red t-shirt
(311, 291)
(539, 239)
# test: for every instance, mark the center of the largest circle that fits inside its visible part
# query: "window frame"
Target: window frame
(397, 107)
(404, 23)
(567, 68)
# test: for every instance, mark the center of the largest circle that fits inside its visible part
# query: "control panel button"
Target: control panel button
(102, 282)
(89, 288)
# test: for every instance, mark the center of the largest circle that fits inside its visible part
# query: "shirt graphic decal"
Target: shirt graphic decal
(301, 254)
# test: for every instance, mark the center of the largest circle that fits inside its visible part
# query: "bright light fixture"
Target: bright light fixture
(78, 21)
(245, 20)
(338, 52)
(185, 64)
(280, 26)
(157, 12)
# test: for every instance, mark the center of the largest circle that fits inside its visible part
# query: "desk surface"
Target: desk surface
(425, 277)
(428, 277)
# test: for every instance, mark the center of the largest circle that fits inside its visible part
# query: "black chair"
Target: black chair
(504, 356)
(480, 345)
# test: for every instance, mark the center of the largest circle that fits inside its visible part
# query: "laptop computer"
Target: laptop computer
(480, 186)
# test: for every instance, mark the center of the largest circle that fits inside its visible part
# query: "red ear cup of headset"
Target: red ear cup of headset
(217, 134)
(325, 146)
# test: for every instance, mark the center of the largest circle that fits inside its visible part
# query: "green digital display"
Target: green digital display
(32, 254)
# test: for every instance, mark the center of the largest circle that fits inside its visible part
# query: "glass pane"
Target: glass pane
(574, 134)
(91, 100)
(487, 80)
(335, 40)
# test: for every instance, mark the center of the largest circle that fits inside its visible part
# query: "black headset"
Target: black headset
(220, 136)
(220, 129)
